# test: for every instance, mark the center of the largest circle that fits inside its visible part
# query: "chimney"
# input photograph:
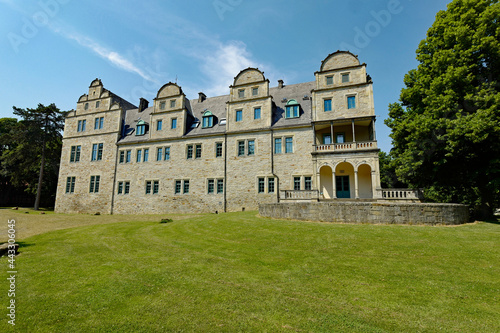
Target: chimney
(143, 104)
(280, 83)
(201, 97)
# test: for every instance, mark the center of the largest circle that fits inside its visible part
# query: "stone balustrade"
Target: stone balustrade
(347, 146)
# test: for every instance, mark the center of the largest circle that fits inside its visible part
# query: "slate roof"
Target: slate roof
(217, 106)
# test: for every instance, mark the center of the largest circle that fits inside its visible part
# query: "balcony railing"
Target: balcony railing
(299, 195)
(347, 146)
(400, 194)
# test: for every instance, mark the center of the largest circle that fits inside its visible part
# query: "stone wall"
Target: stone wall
(369, 212)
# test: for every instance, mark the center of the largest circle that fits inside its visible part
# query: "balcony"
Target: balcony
(346, 147)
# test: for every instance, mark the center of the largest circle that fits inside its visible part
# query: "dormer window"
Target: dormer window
(86, 107)
(345, 78)
(141, 127)
(255, 91)
(208, 119)
(172, 103)
(329, 80)
(241, 93)
(162, 105)
(292, 109)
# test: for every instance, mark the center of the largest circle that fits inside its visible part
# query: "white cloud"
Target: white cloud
(225, 63)
(114, 57)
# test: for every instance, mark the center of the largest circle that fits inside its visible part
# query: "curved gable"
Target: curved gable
(248, 75)
(339, 59)
(96, 83)
(168, 90)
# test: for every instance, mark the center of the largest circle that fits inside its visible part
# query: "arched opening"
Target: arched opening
(326, 182)
(344, 180)
(365, 181)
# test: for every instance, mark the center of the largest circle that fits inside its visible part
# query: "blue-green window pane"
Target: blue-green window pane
(256, 113)
(289, 145)
(146, 154)
(239, 115)
(351, 102)
(328, 105)
(159, 125)
(159, 154)
(167, 153)
(277, 146)
(251, 147)
(241, 148)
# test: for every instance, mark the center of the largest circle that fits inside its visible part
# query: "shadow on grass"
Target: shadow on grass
(493, 220)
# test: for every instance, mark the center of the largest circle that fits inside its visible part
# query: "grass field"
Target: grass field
(237, 272)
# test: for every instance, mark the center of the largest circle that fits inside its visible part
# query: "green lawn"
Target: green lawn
(237, 272)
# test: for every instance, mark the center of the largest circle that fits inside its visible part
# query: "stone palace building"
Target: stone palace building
(308, 141)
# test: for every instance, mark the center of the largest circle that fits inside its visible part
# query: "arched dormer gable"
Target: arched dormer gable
(248, 75)
(292, 109)
(169, 90)
(115, 106)
(83, 98)
(338, 60)
(208, 119)
(96, 83)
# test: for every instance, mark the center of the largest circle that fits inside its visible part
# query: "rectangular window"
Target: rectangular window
(162, 105)
(127, 188)
(327, 105)
(94, 184)
(340, 137)
(277, 146)
(122, 156)
(189, 153)
(256, 113)
(186, 186)
(218, 149)
(138, 155)
(97, 104)
(327, 139)
(146, 154)
(99, 122)
(159, 125)
(261, 185)
(251, 147)
(288, 145)
(148, 187)
(167, 153)
(120, 187)
(156, 186)
(211, 186)
(159, 154)
(178, 185)
(172, 103)
(307, 183)
(94, 152)
(239, 115)
(351, 102)
(75, 153)
(99, 151)
(128, 156)
(198, 151)
(255, 91)
(82, 124)
(220, 185)
(241, 148)
(70, 185)
(345, 78)
(241, 93)
(270, 185)
(174, 123)
(329, 80)
(296, 183)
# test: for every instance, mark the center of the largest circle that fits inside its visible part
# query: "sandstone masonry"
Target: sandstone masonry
(254, 146)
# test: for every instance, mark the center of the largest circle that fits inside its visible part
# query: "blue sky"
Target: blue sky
(52, 49)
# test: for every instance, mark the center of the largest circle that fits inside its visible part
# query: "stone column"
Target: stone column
(375, 194)
(318, 182)
(334, 185)
(353, 132)
(356, 186)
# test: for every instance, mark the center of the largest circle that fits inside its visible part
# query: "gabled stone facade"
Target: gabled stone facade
(313, 140)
